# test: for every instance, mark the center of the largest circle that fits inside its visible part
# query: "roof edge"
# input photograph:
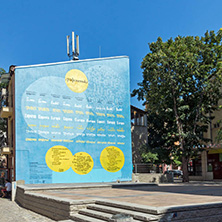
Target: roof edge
(72, 61)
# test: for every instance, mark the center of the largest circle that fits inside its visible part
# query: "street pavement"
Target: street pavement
(12, 212)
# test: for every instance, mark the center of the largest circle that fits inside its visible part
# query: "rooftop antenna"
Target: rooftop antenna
(74, 51)
(100, 51)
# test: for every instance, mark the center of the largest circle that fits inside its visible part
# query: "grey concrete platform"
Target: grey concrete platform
(165, 202)
(82, 185)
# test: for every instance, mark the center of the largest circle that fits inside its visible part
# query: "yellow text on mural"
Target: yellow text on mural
(58, 158)
(76, 80)
(82, 163)
(112, 159)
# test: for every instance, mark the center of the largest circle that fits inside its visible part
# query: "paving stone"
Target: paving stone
(12, 212)
(83, 218)
(96, 214)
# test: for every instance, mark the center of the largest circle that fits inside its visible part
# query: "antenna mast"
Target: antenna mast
(74, 55)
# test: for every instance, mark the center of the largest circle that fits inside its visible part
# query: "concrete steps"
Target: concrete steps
(116, 210)
(97, 214)
(129, 206)
(100, 212)
(84, 218)
(66, 220)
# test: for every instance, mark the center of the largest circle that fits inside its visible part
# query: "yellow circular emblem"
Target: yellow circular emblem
(112, 159)
(58, 158)
(76, 80)
(82, 163)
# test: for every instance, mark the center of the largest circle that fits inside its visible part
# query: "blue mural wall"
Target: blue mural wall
(73, 122)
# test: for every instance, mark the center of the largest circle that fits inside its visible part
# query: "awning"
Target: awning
(214, 151)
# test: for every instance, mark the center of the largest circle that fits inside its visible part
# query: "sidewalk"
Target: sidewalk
(11, 212)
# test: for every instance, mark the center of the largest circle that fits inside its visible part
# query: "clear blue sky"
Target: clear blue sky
(34, 32)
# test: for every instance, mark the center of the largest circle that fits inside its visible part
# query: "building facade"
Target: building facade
(209, 164)
(69, 122)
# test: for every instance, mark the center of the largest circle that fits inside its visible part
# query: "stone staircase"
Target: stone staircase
(104, 211)
(96, 210)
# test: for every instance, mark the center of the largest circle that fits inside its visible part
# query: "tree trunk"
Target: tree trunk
(185, 169)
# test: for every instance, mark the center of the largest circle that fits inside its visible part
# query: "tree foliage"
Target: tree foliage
(181, 86)
(148, 156)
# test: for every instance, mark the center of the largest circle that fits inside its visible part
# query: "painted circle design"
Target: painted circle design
(53, 111)
(112, 159)
(76, 80)
(58, 158)
(82, 163)
(112, 94)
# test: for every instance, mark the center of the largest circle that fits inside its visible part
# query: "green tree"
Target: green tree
(181, 86)
(148, 156)
(157, 142)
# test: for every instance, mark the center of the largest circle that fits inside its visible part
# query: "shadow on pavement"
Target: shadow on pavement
(194, 189)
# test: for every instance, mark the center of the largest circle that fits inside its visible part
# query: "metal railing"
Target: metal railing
(146, 168)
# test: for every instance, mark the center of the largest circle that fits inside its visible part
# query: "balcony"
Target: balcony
(5, 109)
(6, 112)
(6, 150)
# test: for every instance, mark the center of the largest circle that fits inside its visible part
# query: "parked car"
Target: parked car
(176, 173)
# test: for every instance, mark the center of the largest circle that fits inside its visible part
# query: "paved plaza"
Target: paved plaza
(12, 212)
(161, 195)
(156, 196)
